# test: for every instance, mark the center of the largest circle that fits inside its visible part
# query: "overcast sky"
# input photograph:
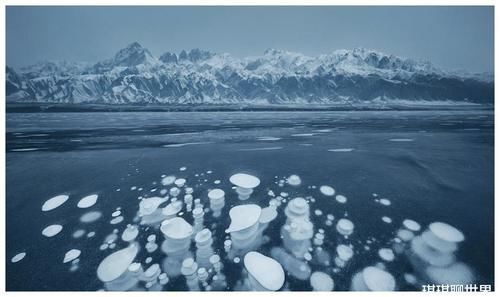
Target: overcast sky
(449, 37)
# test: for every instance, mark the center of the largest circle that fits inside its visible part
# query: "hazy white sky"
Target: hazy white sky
(450, 37)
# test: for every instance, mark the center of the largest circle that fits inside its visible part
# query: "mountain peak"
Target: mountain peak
(132, 55)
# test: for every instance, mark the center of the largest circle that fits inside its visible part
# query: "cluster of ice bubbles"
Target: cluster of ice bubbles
(172, 229)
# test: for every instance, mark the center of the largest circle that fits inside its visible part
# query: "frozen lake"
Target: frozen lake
(430, 165)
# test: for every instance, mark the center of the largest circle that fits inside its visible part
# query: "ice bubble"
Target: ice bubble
(410, 278)
(149, 205)
(446, 232)
(430, 255)
(373, 279)
(327, 190)
(297, 208)
(130, 233)
(174, 191)
(345, 226)
(386, 254)
(244, 180)
(456, 273)
(292, 265)
(183, 168)
(52, 230)
(268, 214)
(411, 225)
(216, 194)
(114, 265)
(71, 255)
(405, 235)
(321, 281)
(90, 217)
(54, 202)
(116, 213)
(385, 201)
(265, 270)
(294, 180)
(172, 209)
(236, 260)
(243, 216)
(18, 257)
(341, 199)
(168, 180)
(91, 234)
(318, 212)
(180, 182)
(344, 252)
(87, 201)
(176, 228)
(438, 243)
(116, 220)
(216, 181)
(386, 219)
(78, 233)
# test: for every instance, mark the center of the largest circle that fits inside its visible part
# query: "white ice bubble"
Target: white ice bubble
(386, 219)
(265, 270)
(386, 254)
(345, 226)
(294, 180)
(446, 232)
(176, 228)
(327, 190)
(71, 255)
(130, 233)
(116, 213)
(321, 281)
(54, 202)
(341, 199)
(114, 265)
(243, 216)
(344, 252)
(244, 180)
(385, 201)
(182, 168)
(116, 220)
(377, 279)
(18, 257)
(90, 217)
(268, 138)
(87, 201)
(52, 230)
(268, 214)
(180, 182)
(168, 180)
(78, 233)
(411, 225)
(216, 194)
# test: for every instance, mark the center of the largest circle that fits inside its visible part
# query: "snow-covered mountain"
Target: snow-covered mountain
(134, 75)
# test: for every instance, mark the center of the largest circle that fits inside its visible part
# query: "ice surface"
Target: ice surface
(54, 202)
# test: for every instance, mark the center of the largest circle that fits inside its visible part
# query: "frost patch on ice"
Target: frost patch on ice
(87, 201)
(52, 230)
(54, 202)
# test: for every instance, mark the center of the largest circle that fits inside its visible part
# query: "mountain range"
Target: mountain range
(135, 76)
